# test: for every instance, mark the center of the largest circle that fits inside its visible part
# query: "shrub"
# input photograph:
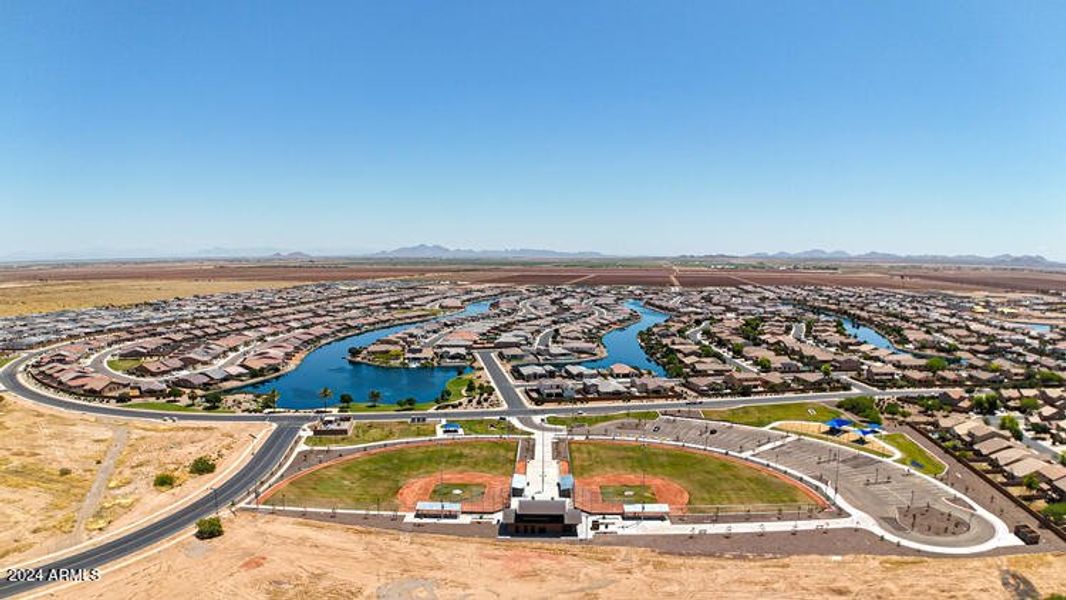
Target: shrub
(64, 471)
(164, 480)
(202, 466)
(1056, 511)
(862, 406)
(207, 528)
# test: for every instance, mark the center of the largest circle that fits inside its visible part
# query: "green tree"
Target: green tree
(209, 527)
(763, 363)
(213, 400)
(164, 480)
(269, 400)
(373, 397)
(1031, 482)
(986, 404)
(863, 406)
(1028, 405)
(1010, 423)
(936, 364)
(827, 369)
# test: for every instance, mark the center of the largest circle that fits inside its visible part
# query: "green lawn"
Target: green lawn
(708, 479)
(637, 494)
(914, 456)
(4, 359)
(366, 433)
(359, 407)
(165, 406)
(763, 415)
(456, 386)
(489, 427)
(445, 492)
(123, 364)
(374, 480)
(590, 420)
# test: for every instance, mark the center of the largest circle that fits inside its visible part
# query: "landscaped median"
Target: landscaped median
(914, 456)
(590, 420)
(764, 414)
(368, 433)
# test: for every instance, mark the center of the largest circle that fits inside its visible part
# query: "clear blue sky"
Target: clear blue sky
(623, 127)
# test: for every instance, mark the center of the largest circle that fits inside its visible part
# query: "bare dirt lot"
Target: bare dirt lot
(262, 556)
(35, 288)
(46, 296)
(67, 478)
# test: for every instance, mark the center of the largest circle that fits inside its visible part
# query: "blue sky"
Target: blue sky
(623, 127)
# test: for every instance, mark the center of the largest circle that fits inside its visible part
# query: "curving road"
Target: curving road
(250, 476)
(275, 448)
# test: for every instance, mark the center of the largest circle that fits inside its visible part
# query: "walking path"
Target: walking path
(103, 476)
(542, 473)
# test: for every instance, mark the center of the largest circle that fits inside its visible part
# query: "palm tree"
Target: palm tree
(346, 399)
(374, 396)
(325, 394)
(270, 399)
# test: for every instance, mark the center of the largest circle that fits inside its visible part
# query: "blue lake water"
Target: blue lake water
(868, 335)
(622, 345)
(328, 366)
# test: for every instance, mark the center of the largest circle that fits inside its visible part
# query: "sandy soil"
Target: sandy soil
(43, 510)
(262, 556)
(154, 449)
(38, 504)
(45, 296)
(260, 273)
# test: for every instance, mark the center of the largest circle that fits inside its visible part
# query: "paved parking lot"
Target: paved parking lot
(902, 502)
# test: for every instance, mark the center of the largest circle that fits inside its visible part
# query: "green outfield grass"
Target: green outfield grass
(914, 456)
(763, 415)
(590, 420)
(366, 433)
(709, 480)
(374, 480)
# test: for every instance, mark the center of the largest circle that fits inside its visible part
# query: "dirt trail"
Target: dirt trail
(103, 476)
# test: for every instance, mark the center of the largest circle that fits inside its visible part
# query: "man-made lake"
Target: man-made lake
(328, 366)
(868, 335)
(623, 347)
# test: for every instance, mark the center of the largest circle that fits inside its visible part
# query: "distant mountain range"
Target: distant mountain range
(436, 251)
(1004, 260)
